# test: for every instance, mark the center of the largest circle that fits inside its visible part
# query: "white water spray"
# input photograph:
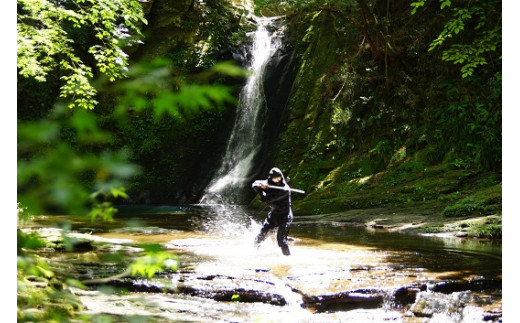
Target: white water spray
(246, 137)
(232, 228)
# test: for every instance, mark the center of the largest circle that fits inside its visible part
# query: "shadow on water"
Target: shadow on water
(458, 258)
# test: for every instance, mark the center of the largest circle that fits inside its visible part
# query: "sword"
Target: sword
(295, 190)
(264, 183)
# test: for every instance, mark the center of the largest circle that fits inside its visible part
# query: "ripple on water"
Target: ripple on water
(327, 266)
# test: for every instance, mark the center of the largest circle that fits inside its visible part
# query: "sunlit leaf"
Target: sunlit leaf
(230, 69)
(118, 192)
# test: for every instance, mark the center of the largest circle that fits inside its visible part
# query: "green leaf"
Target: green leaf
(84, 121)
(76, 283)
(45, 272)
(41, 50)
(153, 262)
(118, 192)
(230, 69)
(416, 5)
(445, 3)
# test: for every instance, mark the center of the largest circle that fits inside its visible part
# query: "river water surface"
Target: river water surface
(337, 272)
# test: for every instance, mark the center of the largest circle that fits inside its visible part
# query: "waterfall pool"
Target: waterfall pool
(337, 272)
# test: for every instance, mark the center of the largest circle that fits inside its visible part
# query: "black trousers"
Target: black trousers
(280, 220)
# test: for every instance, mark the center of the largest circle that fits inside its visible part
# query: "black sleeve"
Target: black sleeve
(256, 187)
(263, 195)
(274, 195)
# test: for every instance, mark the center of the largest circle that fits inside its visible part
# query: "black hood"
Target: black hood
(275, 172)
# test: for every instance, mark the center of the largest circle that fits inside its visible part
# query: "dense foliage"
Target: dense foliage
(69, 159)
(48, 42)
(483, 18)
(177, 153)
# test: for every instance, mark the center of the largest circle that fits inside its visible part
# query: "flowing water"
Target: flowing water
(246, 136)
(337, 272)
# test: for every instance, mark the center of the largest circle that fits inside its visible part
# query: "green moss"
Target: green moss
(348, 186)
(357, 139)
(304, 152)
(41, 297)
(483, 202)
(432, 229)
(487, 228)
(462, 208)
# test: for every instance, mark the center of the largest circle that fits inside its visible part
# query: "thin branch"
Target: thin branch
(342, 87)
(105, 280)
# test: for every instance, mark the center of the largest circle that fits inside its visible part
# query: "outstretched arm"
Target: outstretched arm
(260, 186)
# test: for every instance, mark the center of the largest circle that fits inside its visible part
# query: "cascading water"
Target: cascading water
(230, 223)
(246, 136)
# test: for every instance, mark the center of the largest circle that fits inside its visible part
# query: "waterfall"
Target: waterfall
(246, 136)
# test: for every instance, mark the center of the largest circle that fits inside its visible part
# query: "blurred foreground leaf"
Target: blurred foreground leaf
(154, 85)
(152, 262)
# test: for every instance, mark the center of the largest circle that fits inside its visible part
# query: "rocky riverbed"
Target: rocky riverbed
(337, 272)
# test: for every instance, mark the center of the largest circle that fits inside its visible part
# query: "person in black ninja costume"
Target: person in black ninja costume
(279, 201)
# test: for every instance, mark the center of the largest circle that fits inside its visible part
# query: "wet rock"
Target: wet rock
(407, 295)
(374, 225)
(461, 234)
(449, 286)
(476, 284)
(205, 287)
(492, 316)
(87, 271)
(481, 284)
(242, 295)
(429, 303)
(82, 246)
(345, 301)
(459, 307)
(245, 288)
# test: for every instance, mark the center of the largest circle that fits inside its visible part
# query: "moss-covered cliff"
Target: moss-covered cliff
(369, 117)
(373, 125)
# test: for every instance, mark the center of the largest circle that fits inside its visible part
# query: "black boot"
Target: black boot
(263, 233)
(285, 250)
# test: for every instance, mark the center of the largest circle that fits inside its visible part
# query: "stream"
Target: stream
(337, 272)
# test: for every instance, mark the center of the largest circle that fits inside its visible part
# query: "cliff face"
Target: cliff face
(361, 130)
(178, 157)
(354, 121)
(192, 33)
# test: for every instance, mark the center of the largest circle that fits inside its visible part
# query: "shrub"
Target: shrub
(491, 228)
(462, 208)
(492, 231)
